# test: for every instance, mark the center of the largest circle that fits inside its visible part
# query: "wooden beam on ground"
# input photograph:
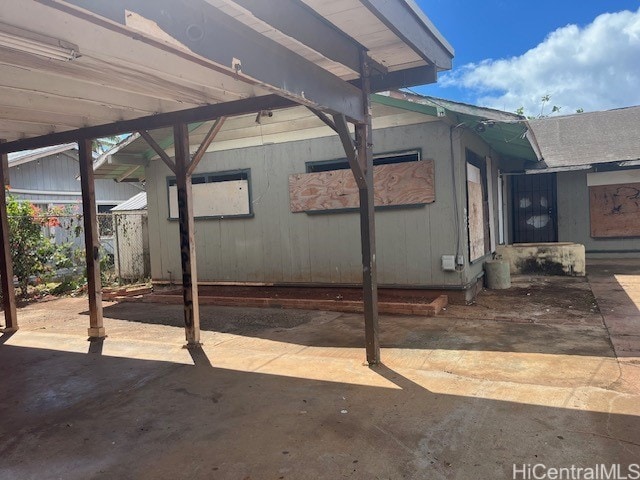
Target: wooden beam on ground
(187, 236)
(159, 150)
(367, 223)
(91, 239)
(6, 263)
(202, 149)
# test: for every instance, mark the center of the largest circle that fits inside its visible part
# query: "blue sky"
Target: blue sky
(567, 49)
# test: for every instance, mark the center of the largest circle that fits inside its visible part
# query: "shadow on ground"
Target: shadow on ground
(326, 329)
(86, 415)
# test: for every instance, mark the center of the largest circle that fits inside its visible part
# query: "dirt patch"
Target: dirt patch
(535, 299)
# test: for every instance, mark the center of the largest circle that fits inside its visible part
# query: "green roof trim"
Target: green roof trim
(506, 136)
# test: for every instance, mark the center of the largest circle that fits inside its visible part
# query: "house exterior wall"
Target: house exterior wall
(283, 247)
(58, 173)
(574, 222)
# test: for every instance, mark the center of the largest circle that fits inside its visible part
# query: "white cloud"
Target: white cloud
(595, 68)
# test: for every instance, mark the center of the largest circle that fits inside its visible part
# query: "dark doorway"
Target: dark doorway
(534, 208)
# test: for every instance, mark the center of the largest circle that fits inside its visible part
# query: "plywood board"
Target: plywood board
(408, 183)
(475, 206)
(215, 199)
(615, 210)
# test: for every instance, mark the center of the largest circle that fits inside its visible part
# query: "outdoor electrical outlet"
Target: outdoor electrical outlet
(460, 260)
(448, 263)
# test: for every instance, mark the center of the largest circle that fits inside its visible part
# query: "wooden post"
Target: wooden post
(91, 239)
(6, 263)
(187, 240)
(367, 223)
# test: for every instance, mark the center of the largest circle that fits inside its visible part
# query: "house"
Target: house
(49, 176)
(590, 167)
(275, 202)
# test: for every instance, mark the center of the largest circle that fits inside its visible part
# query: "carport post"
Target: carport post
(6, 263)
(91, 239)
(367, 221)
(187, 240)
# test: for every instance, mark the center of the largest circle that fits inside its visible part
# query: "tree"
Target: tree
(31, 250)
(543, 103)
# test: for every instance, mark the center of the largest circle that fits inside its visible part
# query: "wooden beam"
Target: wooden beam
(350, 150)
(6, 263)
(158, 149)
(296, 20)
(91, 239)
(419, 33)
(223, 44)
(202, 149)
(150, 122)
(367, 224)
(323, 116)
(187, 236)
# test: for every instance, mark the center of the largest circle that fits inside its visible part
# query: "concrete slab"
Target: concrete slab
(284, 394)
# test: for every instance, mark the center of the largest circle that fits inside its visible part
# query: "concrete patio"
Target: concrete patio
(524, 377)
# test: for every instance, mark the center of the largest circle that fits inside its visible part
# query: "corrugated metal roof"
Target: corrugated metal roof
(137, 202)
(589, 138)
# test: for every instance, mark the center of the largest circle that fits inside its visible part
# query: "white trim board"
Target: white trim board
(613, 178)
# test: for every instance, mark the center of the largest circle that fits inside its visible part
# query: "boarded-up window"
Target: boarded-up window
(221, 194)
(397, 184)
(614, 208)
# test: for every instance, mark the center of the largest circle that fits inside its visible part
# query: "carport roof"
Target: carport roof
(75, 69)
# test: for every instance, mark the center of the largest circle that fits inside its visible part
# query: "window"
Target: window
(383, 159)
(400, 180)
(105, 220)
(215, 195)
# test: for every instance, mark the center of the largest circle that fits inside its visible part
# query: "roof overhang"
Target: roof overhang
(127, 160)
(97, 68)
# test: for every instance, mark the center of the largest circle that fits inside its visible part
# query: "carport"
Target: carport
(74, 71)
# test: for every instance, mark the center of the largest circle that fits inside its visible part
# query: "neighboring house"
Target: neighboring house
(587, 188)
(274, 202)
(49, 176)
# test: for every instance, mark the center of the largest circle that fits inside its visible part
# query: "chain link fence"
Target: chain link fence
(54, 250)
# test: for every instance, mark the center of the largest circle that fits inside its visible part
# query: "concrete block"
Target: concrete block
(562, 258)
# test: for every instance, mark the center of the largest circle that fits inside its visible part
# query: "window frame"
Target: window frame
(214, 177)
(344, 163)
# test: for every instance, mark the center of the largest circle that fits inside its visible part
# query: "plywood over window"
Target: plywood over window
(475, 205)
(407, 183)
(615, 210)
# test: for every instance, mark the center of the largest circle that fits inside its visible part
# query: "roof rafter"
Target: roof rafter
(207, 36)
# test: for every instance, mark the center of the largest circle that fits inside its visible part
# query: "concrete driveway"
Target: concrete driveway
(523, 377)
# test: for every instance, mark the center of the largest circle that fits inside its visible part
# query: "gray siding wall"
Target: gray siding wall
(279, 246)
(573, 217)
(58, 173)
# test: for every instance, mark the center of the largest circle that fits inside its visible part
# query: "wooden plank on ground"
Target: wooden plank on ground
(407, 183)
(615, 210)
